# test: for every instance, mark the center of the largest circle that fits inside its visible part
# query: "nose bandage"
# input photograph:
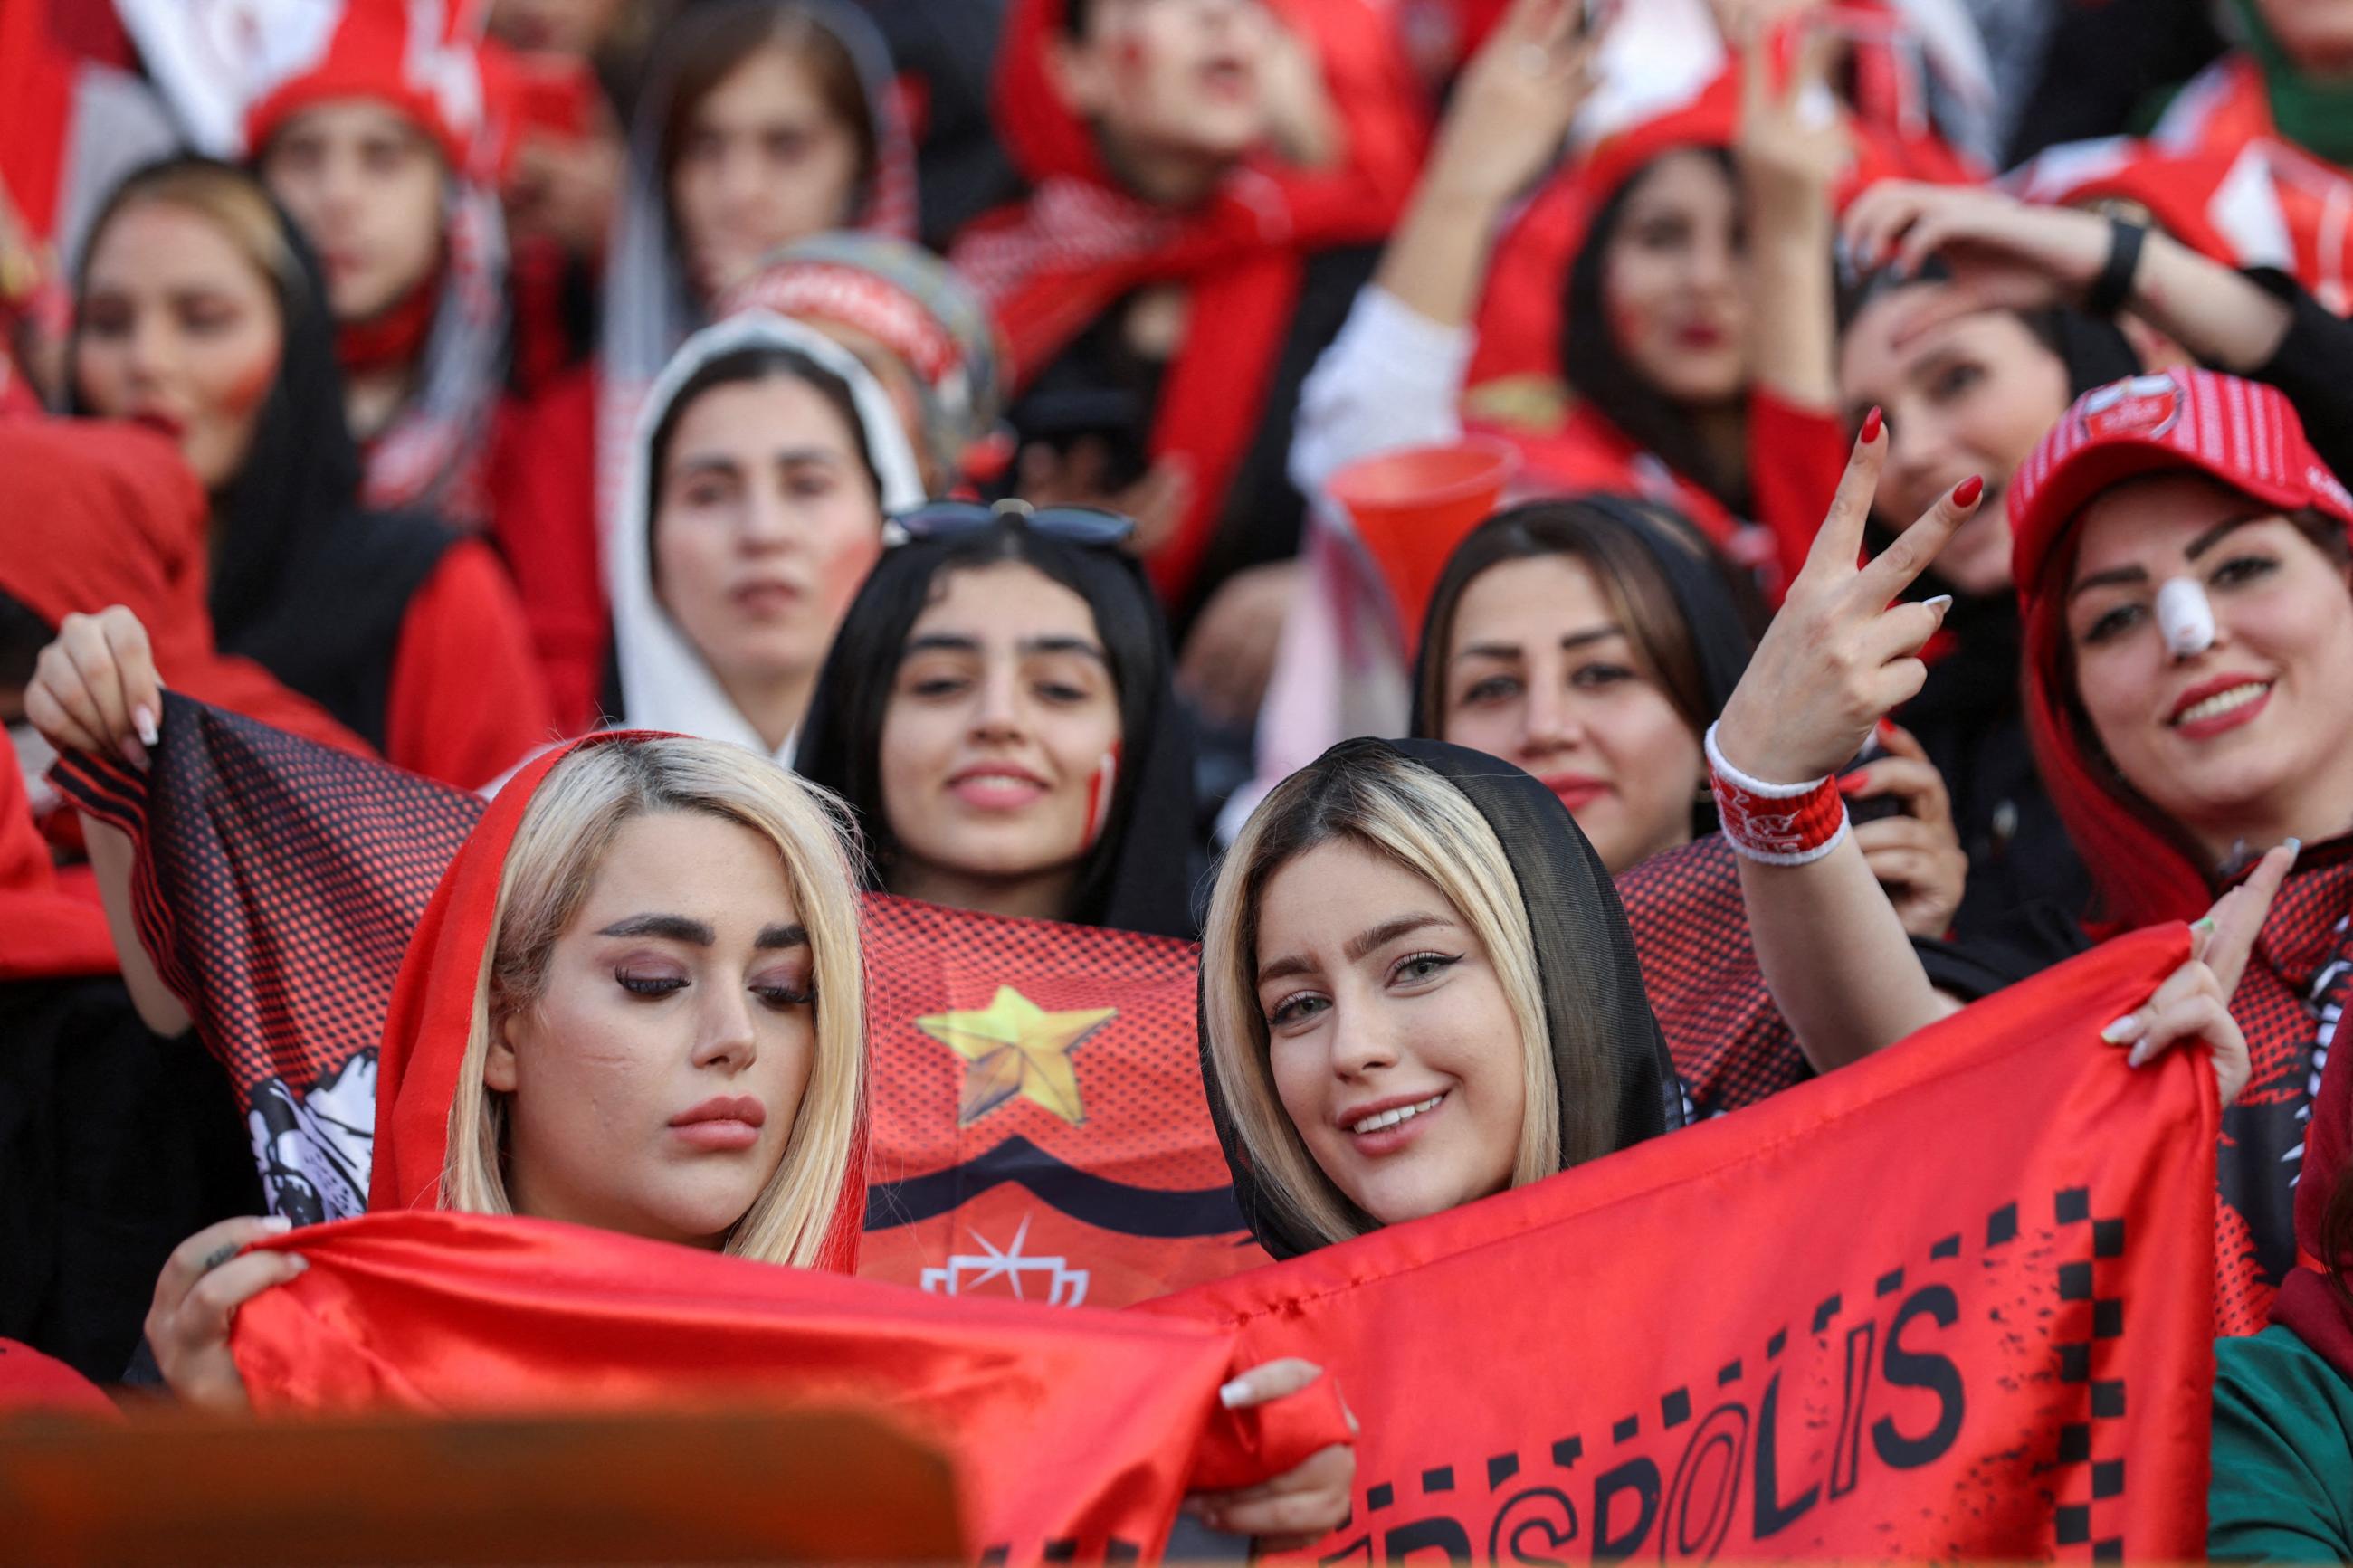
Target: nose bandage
(2184, 617)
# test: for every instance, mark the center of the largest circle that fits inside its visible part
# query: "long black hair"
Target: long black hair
(1135, 875)
(1598, 370)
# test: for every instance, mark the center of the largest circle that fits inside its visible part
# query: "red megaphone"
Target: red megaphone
(1411, 508)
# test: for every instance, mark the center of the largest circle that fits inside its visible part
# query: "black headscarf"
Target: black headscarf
(1585, 962)
(305, 582)
(1136, 877)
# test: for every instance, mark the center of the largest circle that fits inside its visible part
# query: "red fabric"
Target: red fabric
(1051, 266)
(2308, 1302)
(466, 700)
(102, 514)
(43, 44)
(1780, 830)
(542, 484)
(1072, 1435)
(1705, 1345)
(394, 339)
(30, 1382)
(994, 1174)
(432, 1012)
(51, 934)
(2245, 435)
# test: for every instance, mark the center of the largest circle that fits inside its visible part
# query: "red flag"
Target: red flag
(1039, 1130)
(1073, 1435)
(1952, 1302)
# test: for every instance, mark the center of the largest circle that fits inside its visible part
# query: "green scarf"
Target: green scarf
(2314, 112)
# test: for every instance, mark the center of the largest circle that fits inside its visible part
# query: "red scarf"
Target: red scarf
(394, 338)
(1080, 243)
(103, 514)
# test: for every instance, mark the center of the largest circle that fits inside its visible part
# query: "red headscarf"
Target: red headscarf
(1051, 266)
(432, 1015)
(51, 934)
(2239, 433)
(1795, 454)
(102, 514)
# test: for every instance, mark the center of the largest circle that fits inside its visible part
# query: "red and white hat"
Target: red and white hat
(2240, 433)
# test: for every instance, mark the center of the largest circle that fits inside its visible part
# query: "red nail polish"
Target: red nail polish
(1886, 728)
(1852, 784)
(1870, 424)
(1965, 493)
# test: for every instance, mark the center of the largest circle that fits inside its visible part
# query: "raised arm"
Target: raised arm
(1840, 655)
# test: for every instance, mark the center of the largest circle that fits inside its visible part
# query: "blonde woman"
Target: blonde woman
(635, 1003)
(1399, 1013)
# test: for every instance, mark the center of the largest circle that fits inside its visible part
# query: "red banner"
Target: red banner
(1952, 1302)
(1039, 1130)
(1073, 1435)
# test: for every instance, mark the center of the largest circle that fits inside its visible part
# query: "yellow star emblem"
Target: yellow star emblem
(1014, 1047)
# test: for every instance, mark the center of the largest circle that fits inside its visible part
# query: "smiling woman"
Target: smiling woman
(996, 710)
(1418, 989)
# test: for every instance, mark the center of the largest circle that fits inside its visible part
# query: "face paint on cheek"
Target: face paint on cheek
(241, 397)
(2185, 617)
(1131, 59)
(1101, 785)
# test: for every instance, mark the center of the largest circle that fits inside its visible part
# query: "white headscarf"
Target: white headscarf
(665, 684)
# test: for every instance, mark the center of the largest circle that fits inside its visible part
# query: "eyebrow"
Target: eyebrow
(1569, 644)
(964, 642)
(2122, 577)
(1355, 947)
(679, 928)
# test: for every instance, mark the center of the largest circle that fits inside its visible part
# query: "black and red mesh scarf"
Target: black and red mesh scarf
(1039, 1126)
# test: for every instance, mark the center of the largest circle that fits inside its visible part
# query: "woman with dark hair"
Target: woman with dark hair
(996, 710)
(1972, 335)
(2283, 1486)
(199, 313)
(760, 122)
(1611, 330)
(764, 465)
(1590, 641)
(2186, 587)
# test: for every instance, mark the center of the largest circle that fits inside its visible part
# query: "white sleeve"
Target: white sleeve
(1391, 378)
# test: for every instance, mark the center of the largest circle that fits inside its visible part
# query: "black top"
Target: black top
(1585, 957)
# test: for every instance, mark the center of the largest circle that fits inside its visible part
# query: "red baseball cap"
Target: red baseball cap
(2240, 433)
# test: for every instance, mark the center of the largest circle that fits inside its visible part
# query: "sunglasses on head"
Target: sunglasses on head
(953, 519)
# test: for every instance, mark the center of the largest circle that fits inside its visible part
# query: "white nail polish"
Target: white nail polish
(1940, 604)
(276, 1223)
(2123, 1029)
(143, 721)
(1235, 1394)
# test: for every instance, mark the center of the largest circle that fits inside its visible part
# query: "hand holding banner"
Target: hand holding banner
(1952, 1302)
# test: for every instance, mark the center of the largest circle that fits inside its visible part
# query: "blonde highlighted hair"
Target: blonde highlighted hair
(230, 199)
(1394, 807)
(571, 823)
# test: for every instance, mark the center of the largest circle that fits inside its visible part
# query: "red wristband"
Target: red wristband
(1780, 825)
